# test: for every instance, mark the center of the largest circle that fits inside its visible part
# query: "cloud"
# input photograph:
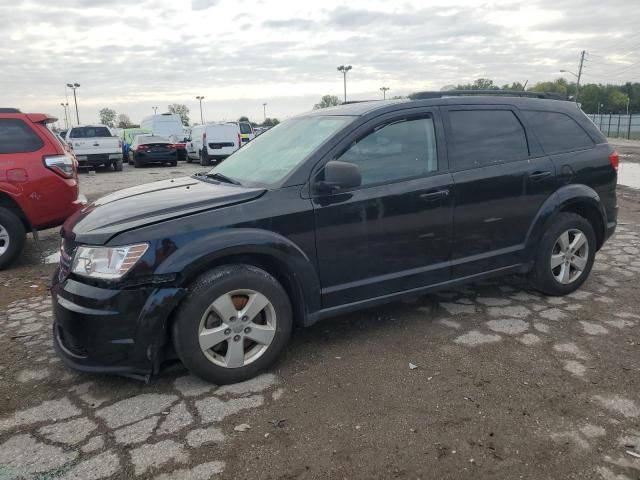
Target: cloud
(203, 4)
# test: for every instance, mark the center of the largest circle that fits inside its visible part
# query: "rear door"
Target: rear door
(501, 180)
(393, 233)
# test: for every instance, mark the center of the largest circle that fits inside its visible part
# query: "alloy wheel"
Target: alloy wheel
(237, 328)
(4, 240)
(569, 256)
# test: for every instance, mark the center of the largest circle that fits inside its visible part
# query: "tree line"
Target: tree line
(593, 97)
(111, 118)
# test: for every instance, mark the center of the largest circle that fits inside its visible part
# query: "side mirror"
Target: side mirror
(338, 176)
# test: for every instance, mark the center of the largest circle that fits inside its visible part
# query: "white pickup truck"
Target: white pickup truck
(95, 145)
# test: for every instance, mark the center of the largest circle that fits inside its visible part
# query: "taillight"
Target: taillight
(60, 164)
(204, 138)
(614, 159)
(119, 143)
(143, 147)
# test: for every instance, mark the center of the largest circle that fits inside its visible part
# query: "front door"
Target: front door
(392, 233)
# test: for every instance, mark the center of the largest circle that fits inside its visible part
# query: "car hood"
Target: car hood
(151, 203)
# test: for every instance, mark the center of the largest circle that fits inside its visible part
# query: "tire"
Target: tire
(188, 159)
(12, 237)
(558, 280)
(173, 163)
(213, 287)
(117, 166)
(136, 162)
(204, 161)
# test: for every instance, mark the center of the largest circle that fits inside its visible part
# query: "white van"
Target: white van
(213, 142)
(165, 125)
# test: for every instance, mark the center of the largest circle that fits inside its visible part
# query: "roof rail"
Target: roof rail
(350, 102)
(491, 93)
(9, 110)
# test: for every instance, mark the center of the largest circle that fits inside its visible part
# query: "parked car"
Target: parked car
(167, 125)
(213, 142)
(94, 146)
(38, 180)
(148, 149)
(127, 135)
(327, 213)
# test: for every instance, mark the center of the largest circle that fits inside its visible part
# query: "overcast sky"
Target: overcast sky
(131, 55)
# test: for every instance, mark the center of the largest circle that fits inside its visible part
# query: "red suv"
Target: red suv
(38, 180)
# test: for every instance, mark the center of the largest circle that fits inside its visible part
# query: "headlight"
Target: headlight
(110, 263)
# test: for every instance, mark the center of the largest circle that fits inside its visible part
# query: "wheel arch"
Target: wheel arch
(275, 254)
(576, 198)
(8, 202)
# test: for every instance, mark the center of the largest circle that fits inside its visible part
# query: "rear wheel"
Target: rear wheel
(136, 162)
(117, 166)
(173, 163)
(565, 255)
(233, 324)
(12, 237)
(204, 158)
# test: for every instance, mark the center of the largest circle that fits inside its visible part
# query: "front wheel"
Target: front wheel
(565, 255)
(12, 237)
(233, 324)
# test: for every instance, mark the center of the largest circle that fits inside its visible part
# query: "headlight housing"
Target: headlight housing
(109, 263)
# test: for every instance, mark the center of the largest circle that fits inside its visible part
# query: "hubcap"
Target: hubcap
(569, 256)
(237, 328)
(4, 240)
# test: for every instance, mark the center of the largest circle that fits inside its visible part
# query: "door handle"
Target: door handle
(432, 196)
(539, 175)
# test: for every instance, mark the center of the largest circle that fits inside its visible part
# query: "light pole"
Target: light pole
(384, 92)
(74, 86)
(264, 111)
(66, 117)
(344, 69)
(200, 98)
(155, 110)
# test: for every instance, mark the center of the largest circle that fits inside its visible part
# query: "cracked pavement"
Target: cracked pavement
(508, 384)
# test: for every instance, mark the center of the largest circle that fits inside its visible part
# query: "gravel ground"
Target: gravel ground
(488, 381)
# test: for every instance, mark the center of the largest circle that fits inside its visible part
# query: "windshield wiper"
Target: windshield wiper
(218, 176)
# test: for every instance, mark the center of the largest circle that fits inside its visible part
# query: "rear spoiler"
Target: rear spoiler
(41, 118)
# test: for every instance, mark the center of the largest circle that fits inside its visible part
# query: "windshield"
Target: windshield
(269, 158)
(245, 128)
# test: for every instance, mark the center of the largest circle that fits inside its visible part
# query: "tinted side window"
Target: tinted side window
(90, 132)
(17, 137)
(485, 137)
(557, 132)
(399, 150)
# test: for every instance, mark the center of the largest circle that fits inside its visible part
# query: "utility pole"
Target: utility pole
(200, 98)
(155, 110)
(628, 101)
(384, 92)
(582, 54)
(264, 111)
(344, 69)
(74, 86)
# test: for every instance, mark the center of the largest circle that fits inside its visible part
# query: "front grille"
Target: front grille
(218, 146)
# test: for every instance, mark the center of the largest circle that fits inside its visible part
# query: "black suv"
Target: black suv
(329, 212)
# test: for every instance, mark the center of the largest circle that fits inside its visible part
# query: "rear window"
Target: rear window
(17, 137)
(485, 137)
(557, 132)
(245, 128)
(90, 132)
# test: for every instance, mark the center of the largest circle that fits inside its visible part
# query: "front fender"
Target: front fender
(193, 258)
(560, 200)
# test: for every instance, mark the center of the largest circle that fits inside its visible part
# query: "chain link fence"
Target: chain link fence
(618, 126)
